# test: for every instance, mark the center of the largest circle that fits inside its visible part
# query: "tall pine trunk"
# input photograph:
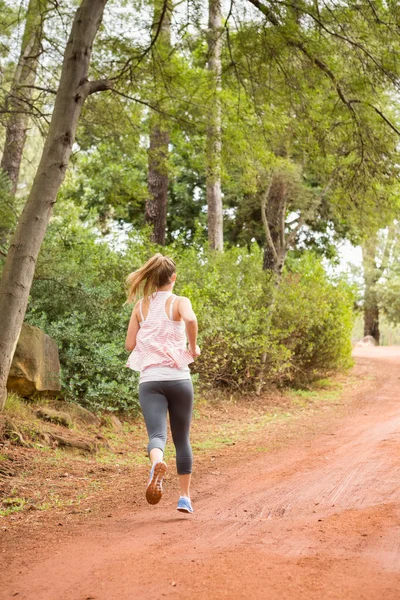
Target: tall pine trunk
(158, 178)
(371, 277)
(25, 244)
(20, 95)
(214, 198)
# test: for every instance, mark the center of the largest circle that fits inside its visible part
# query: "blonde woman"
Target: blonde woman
(161, 326)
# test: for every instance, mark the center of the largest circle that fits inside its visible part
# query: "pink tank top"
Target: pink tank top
(159, 341)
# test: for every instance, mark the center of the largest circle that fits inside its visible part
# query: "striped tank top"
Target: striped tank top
(160, 341)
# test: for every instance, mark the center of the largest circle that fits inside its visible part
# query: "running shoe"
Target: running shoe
(184, 505)
(154, 487)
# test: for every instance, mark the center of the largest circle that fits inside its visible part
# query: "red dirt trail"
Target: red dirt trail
(316, 518)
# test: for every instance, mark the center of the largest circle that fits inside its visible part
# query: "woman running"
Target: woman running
(156, 336)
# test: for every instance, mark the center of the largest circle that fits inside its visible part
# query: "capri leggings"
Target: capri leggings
(176, 397)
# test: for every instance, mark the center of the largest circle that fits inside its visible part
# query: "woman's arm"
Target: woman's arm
(133, 328)
(186, 312)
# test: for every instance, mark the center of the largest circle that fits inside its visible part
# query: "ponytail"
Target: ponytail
(154, 274)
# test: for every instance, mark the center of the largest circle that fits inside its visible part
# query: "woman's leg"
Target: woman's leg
(180, 407)
(154, 405)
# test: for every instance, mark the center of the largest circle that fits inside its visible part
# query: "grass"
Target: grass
(323, 390)
(16, 407)
(11, 505)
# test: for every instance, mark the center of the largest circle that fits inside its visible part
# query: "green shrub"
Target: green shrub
(77, 298)
(313, 319)
(301, 331)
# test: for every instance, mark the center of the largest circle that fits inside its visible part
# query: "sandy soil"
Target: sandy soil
(315, 518)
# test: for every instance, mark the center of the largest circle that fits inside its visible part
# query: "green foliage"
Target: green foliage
(386, 270)
(307, 90)
(389, 298)
(315, 319)
(77, 297)
(303, 329)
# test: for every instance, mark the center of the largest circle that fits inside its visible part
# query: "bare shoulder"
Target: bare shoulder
(183, 302)
(135, 309)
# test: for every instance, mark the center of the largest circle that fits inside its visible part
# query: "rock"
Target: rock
(45, 437)
(35, 366)
(112, 422)
(116, 424)
(77, 412)
(70, 442)
(368, 340)
(54, 416)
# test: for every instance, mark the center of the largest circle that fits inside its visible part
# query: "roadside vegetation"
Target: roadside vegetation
(37, 474)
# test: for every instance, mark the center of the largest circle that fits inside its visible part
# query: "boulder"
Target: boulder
(116, 424)
(74, 442)
(112, 422)
(54, 416)
(77, 412)
(35, 366)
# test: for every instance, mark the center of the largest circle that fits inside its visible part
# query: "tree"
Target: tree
(372, 274)
(74, 88)
(388, 288)
(19, 98)
(280, 235)
(371, 277)
(213, 169)
(158, 179)
(319, 106)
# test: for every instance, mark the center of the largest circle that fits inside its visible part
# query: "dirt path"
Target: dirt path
(318, 518)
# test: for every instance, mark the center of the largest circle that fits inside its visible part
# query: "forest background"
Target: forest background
(248, 140)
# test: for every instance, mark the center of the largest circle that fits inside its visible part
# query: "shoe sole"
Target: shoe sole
(154, 489)
(185, 510)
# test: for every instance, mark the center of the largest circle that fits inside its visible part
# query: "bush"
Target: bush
(314, 319)
(77, 298)
(302, 330)
(298, 332)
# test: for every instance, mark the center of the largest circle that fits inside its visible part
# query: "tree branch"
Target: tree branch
(38, 87)
(292, 236)
(266, 11)
(325, 69)
(380, 113)
(147, 50)
(151, 106)
(100, 85)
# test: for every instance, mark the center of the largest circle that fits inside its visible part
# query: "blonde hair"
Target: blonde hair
(154, 274)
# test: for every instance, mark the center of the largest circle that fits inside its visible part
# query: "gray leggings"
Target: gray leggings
(176, 397)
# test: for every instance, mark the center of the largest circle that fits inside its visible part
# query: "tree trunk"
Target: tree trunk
(275, 249)
(371, 277)
(158, 179)
(20, 96)
(214, 197)
(25, 244)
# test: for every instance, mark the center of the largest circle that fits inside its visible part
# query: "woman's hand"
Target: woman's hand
(195, 352)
